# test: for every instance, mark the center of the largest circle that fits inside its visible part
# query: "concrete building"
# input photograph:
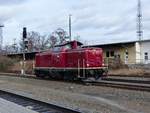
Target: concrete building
(133, 52)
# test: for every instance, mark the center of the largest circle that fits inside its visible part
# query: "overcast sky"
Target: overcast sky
(95, 21)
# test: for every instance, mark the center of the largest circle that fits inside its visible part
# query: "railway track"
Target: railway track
(143, 76)
(122, 85)
(139, 85)
(128, 80)
(33, 104)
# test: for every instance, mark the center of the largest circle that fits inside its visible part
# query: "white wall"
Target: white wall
(138, 52)
(145, 47)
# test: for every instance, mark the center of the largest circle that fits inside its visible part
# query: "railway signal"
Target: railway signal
(25, 40)
(24, 33)
(26, 43)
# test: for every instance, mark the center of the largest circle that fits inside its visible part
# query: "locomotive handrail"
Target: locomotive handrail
(83, 68)
(78, 68)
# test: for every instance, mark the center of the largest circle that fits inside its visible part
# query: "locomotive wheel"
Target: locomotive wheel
(40, 76)
(97, 76)
(69, 76)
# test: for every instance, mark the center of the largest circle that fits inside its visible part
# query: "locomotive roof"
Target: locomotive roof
(69, 42)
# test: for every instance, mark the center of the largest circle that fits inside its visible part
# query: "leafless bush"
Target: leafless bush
(5, 63)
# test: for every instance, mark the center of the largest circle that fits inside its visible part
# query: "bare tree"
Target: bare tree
(53, 40)
(36, 41)
(10, 49)
(59, 36)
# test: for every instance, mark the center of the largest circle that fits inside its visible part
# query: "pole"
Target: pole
(24, 56)
(23, 66)
(1, 37)
(70, 27)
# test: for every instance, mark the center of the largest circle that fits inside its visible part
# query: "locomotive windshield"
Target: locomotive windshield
(59, 48)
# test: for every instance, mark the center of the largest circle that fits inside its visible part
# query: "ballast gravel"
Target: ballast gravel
(94, 99)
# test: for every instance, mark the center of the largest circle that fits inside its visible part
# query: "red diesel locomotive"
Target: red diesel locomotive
(70, 61)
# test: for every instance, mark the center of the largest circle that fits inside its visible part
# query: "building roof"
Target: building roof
(118, 43)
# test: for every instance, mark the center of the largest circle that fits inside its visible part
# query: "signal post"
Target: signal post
(25, 48)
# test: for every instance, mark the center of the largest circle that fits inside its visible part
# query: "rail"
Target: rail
(128, 80)
(122, 85)
(106, 82)
(33, 104)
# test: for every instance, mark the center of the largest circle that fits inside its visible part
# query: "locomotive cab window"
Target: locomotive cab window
(68, 46)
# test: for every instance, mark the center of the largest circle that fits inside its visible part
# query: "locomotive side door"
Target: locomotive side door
(81, 60)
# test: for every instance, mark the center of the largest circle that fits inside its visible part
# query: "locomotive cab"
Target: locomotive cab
(69, 45)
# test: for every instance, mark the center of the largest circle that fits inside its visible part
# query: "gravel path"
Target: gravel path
(93, 98)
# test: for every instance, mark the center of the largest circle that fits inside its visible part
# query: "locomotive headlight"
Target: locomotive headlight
(87, 65)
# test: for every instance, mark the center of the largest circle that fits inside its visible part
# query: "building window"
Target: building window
(146, 55)
(112, 53)
(107, 53)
